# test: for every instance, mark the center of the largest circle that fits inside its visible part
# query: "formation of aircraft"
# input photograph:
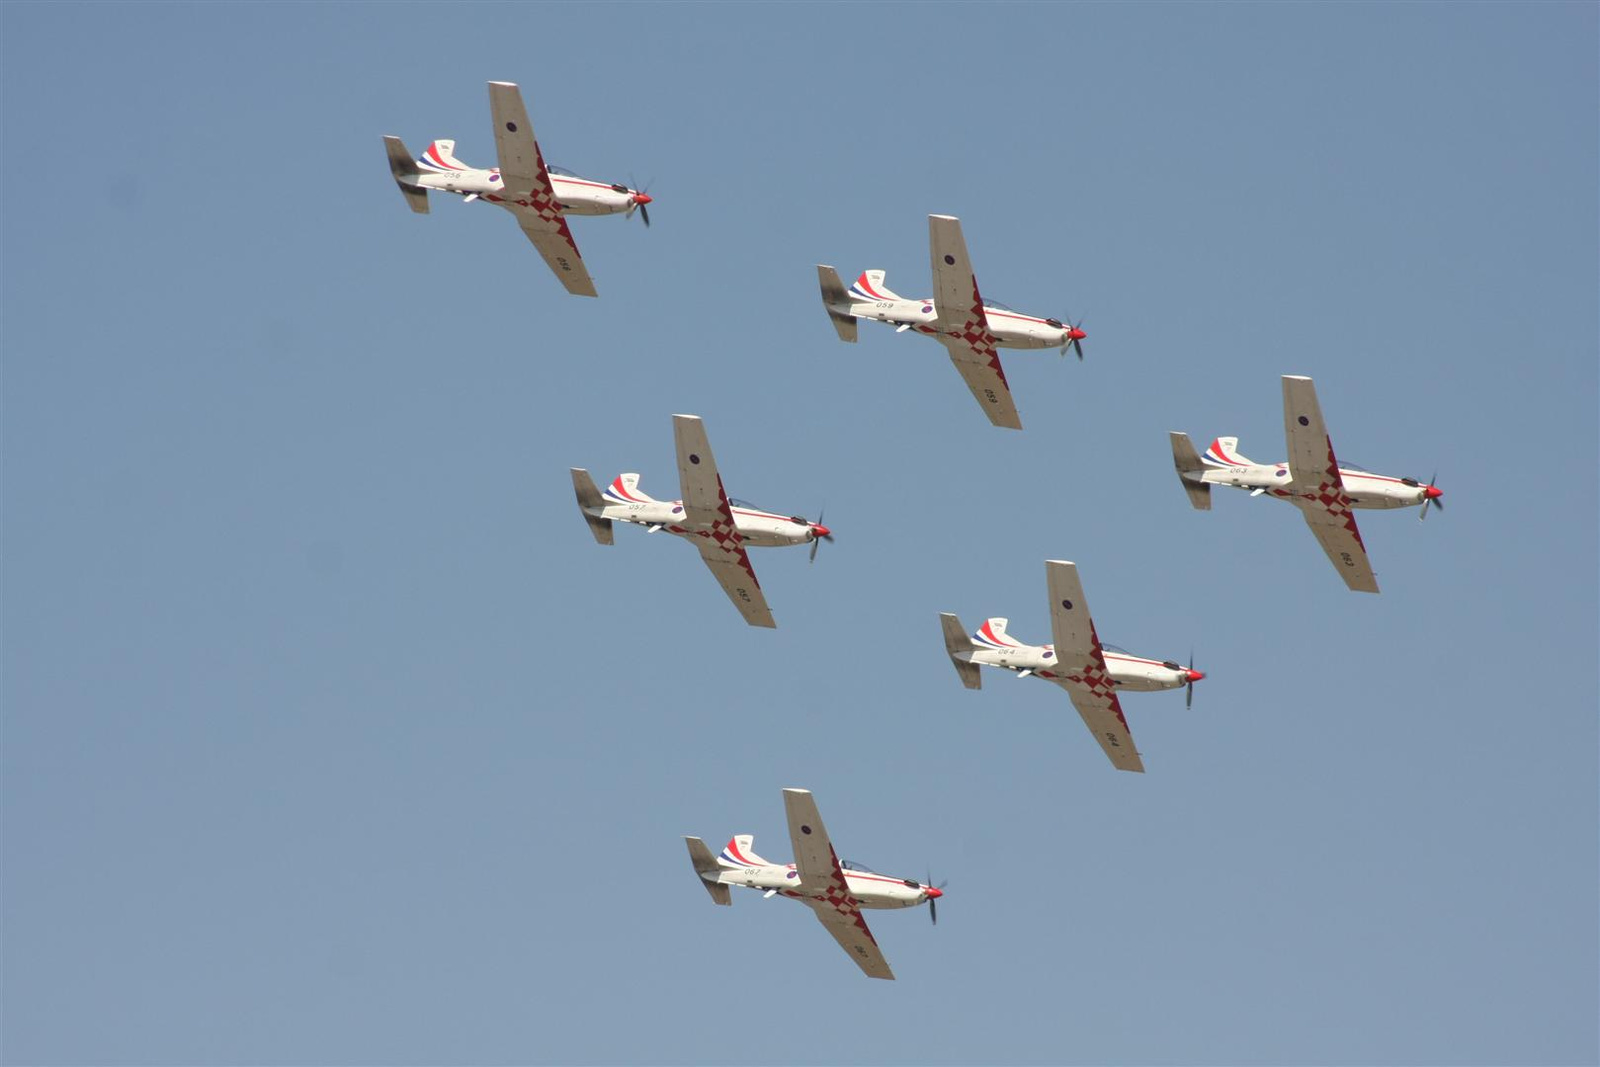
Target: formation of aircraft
(1312, 478)
(721, 528)
(539, 196)
(971, 328)
(1076, 660)
(837, 893)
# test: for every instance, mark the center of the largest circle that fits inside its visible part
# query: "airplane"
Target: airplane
(1312, 479)
(970, 327)
(836, 892)
(537, 195)
(1089, 671)
(720, 527)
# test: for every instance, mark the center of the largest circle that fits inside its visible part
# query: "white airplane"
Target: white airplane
(836, 892)
(970, 327)
(718, 526)
(1089, 671)
(1311, 478)
(537, 195)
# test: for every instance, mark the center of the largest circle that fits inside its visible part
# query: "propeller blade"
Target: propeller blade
(815, 541)
(933, 910)
(1188, 698)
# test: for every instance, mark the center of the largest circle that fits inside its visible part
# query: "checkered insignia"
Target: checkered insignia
(542, 201)
(1094, 677)
(725, 532)
(1334, 500)
(975, 332)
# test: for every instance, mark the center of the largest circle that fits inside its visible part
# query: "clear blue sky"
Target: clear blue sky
(331, 737)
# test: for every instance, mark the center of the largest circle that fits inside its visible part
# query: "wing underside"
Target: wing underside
(1081, 666)
(1319, 488)
(850, 930)
(963, 327)
(706, 507)
(529, 191)
(823, 882)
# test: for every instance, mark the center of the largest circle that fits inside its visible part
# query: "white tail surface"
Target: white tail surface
(738, 854)
(992, 634)
(1224, 452)
(624, 489)
(869, 287)
(441, 156)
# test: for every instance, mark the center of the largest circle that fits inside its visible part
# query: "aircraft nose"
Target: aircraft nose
(1076, 334)
(1194, 675)
(934, 894)
(819, 530)
(643, 198)
(1432, 492)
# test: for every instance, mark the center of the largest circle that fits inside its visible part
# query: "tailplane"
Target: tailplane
(1190, 468)
(590, 501)
(957, 644)
(837, 303)
(624, 489)
(738, 854)
(406, 172)
(869, 287)
(707, 869)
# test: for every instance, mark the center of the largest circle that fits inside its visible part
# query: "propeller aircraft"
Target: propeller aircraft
(537, 195)
(1089, 671)
(836, 892)
(1311, 478)
(970, 327)
(720, 527)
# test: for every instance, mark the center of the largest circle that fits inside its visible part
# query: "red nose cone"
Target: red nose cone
(642, 198)
(1195, 676)
(819, 530)
(1433, 492)
(1076, 334)
(934, 894)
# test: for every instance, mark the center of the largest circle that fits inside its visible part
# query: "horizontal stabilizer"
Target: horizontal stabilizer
(589, 501)
(956, 642)
(704, 865)
(837, 302)
(406, 173)
(1190, 467)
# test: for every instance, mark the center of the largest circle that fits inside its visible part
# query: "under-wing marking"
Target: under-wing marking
(1318, 487)
(706, 508)
(962, 326)
(1081, 667)
(527, 187)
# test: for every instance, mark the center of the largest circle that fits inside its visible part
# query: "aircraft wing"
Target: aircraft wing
(527, 186)
(850, 930)
(1319, 489)
(820, 874)
(963, 328)
(1081, 667)
(706, 506)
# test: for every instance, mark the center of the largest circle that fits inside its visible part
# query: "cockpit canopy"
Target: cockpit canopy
(857, 867)
(563, 171)
(1109, 647)
(991, 302)
(736, 502)
(1345, 464)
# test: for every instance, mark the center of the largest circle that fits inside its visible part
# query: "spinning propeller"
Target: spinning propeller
(1194, 676)
(1074, 338)
(641, 197)
(1431, 495)
(819, 532)
(934, 893)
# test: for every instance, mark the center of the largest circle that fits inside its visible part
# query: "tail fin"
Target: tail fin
(406, 173)
(738, 854)
(992, 634)
(707, 869)
(1189, 463)
(589, 497)
(624, 489)
(869, 287)
(837, 303)
(1224, 452)
(440, 158)
(956, 644)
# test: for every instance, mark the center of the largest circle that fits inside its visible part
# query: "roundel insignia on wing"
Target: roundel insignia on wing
(805, 829)
(512, 126)
(1067, 604)
(1304, 421)
(693, 458)
(951, 260)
